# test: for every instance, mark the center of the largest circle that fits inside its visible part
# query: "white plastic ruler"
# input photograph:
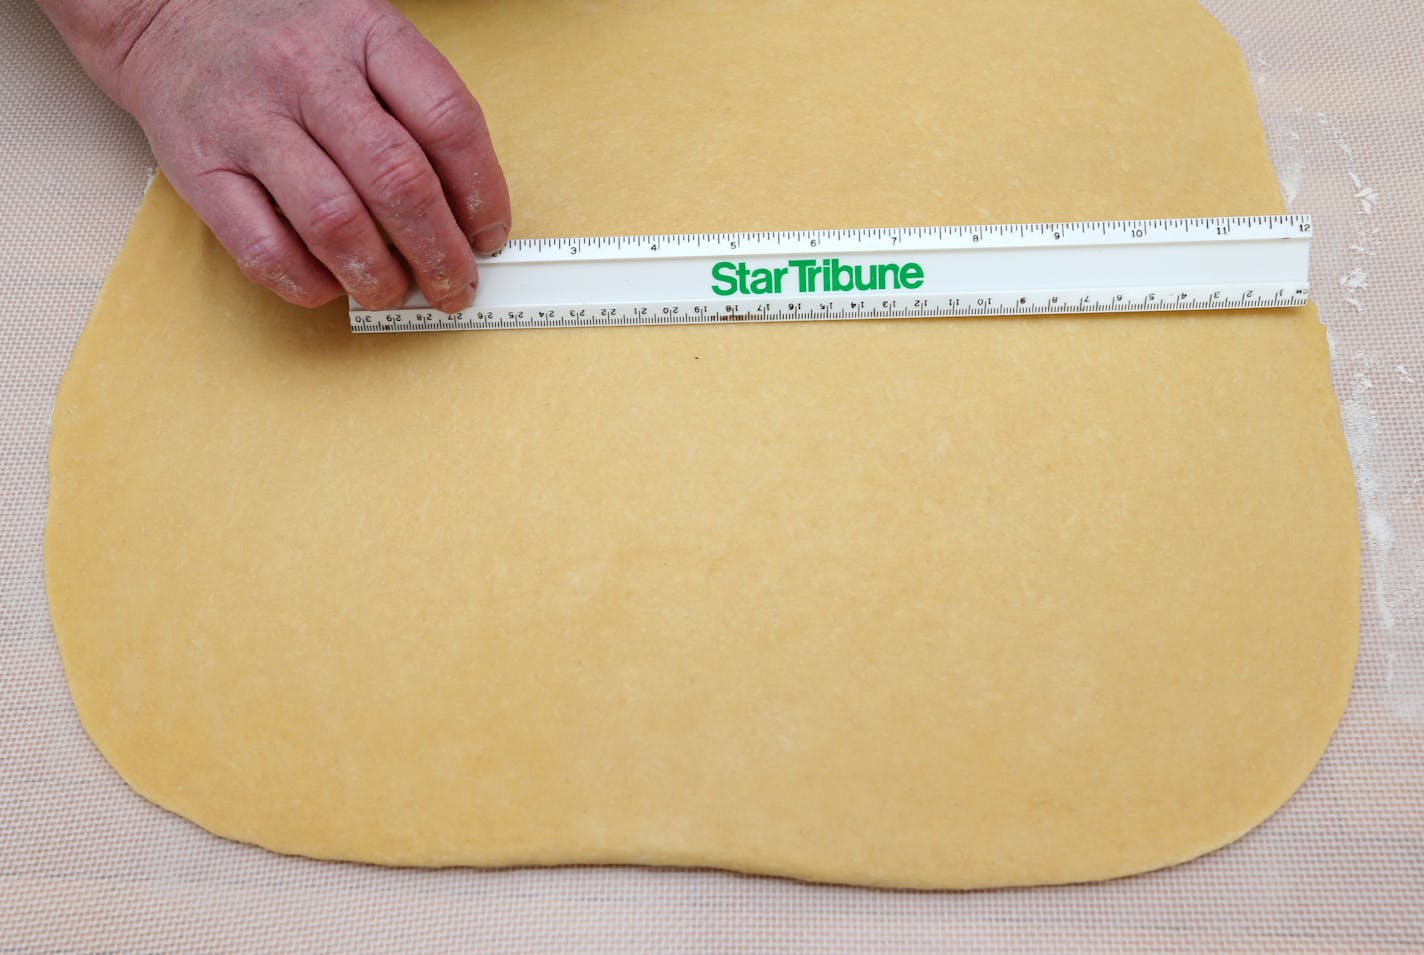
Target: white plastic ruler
(916, 272)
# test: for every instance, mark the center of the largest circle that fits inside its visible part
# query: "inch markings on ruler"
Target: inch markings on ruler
(913, 272)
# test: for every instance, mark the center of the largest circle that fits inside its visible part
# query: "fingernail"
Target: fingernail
(490, 239)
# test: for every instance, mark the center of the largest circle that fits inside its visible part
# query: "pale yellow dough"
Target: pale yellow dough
(925, 603)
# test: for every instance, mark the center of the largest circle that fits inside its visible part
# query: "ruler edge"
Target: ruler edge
(1196, 305)
(534, 245)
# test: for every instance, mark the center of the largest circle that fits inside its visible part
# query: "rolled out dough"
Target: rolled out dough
(925, 603)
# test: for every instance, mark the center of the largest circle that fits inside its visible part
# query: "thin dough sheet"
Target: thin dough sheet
(940, 603)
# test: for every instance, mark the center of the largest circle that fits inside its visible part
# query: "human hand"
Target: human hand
(306, 132)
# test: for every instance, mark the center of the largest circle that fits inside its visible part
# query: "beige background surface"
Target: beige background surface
(85, 865)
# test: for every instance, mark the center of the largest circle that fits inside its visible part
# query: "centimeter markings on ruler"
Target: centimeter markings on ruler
(913, 272)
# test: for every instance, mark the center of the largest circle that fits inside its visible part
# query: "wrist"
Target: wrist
(101, 34)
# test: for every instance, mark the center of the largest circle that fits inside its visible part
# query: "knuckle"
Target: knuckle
(387, 27)
(330, 99)
(263, 258)
(267, 261)
(336, 220)
(452, 120)
(288, 48)
(403, 182)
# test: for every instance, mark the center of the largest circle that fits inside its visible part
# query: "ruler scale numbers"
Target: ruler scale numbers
(904, 273)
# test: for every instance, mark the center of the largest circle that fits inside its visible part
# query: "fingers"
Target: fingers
(360, 132)
(328, 215)
(423, 91)
(267, 249)
(392, 176)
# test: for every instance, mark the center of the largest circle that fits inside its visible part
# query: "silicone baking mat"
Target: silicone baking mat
(88, 866)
